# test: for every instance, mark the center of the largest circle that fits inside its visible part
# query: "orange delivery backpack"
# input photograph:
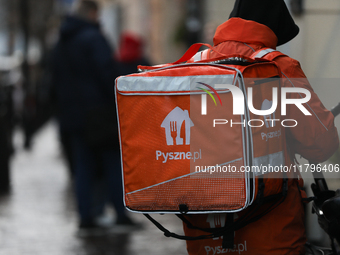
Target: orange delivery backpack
(186, 145)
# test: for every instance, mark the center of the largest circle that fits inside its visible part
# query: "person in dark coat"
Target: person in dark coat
(84, 73)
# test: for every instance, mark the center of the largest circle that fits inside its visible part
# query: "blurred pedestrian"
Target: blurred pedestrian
(6, 130)
(84, 72)
(130, 53)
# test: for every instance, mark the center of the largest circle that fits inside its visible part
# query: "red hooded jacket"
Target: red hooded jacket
(282, 230)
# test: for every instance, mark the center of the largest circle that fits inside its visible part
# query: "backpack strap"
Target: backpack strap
(267, 54)
(230, 227)
(262, 53)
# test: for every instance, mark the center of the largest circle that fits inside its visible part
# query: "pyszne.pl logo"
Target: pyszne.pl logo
(172, 125)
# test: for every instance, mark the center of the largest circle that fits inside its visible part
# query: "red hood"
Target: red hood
(130, 48)
(240, 30)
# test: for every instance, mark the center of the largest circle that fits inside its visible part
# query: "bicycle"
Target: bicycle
(326, 205)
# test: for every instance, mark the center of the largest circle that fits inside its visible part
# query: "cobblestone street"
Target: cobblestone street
(38, 217)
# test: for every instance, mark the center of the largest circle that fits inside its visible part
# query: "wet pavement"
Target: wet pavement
(38, 217)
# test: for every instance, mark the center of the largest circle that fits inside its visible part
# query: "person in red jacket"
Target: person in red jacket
(130, 53)
(255, 25)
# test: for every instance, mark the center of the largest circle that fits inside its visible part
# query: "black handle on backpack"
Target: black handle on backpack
(217, 233)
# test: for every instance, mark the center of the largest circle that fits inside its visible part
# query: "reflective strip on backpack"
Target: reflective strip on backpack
(201, 55)
(198, 56)
(262, 53)
(133, 84)
(268, 161)
(205, 54)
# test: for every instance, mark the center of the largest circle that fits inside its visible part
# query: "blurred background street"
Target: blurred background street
(38, 217)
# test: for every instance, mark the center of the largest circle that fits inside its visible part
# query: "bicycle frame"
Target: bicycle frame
(321, 191)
